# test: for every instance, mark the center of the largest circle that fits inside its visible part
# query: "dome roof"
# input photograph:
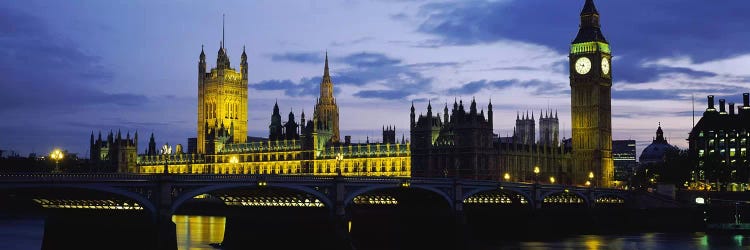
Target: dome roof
(655, 152)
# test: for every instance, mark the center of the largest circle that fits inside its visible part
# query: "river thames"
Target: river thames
(198, 232)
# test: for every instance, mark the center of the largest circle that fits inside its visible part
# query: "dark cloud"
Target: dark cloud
(382, 94)
(298, 57)
(647, 94)
(353, 42)
(639, 30)
(365, 68)
(476, 86)
(537, 87)
(303, 87)
(47, 73)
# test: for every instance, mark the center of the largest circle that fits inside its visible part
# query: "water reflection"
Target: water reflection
(665, 241)
(197, 232)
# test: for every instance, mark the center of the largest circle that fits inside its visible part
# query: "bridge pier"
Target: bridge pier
(340, 218)
(166, 233)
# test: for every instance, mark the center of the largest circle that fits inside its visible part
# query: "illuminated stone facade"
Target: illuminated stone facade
(591, 102)
(305, 148)
(326, 113)
(222, 102)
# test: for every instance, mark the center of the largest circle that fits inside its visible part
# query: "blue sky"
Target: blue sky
(70, 67)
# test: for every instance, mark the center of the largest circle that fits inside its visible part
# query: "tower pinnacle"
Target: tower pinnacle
(325, 70)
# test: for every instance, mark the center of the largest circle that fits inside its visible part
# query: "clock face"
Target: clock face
(583, 65)
(605, 66)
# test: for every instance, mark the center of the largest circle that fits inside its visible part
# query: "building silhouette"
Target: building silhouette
(549, 129)
(655, 152)
(115, 153)
(525, 130)
(719, 143)
(460, 145)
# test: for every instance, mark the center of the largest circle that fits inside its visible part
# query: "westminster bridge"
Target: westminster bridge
(159, 196)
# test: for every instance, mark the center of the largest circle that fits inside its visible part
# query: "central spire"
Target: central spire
(222, 30)
(325, 70)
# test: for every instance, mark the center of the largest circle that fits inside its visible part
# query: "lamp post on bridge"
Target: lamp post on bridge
(506, 177)
(339, 158)
(166, 150)
(536, 174)
(57, 155)
(590, 182)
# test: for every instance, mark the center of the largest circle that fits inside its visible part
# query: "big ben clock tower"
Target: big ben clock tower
(591, 102)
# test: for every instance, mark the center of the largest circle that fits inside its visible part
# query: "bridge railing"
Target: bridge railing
(7, 177)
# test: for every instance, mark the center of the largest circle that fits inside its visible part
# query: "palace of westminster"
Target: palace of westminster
(455, 143)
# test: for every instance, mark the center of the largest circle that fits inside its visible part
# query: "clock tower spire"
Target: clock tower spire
(591, 102)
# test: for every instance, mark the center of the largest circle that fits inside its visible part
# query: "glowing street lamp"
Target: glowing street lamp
(588, 183)
(591, 178)
(166, 150)
(536, 173)
(552, 180)
(339, 158)
(506, 177)
(234, 160)
(57, 155)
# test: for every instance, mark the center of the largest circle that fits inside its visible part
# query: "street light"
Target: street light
(56, 155)
(552, 180)
(506, 177)
(591, 178)
(166, 150)
(234, 160)
(339, 158)
(536, 173)
(588, 183)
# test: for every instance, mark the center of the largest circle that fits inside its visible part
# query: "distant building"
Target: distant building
(623, 153)
(115, 153)
(549, 129)
(525, 130)
(719, 142)
(656, 151)
(462, 145)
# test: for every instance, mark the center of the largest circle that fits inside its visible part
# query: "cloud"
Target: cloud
(298, 57)
(639, 30)
(538, 87)
(303, 87)
(392, 78)
(377, 69)
(47, 73)
(382, 94)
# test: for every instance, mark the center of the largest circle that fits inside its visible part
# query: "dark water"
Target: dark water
(197, 232)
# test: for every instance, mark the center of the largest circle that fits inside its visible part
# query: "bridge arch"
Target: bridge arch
(507, 190)
(202, 190)
(566, 192)
(351, 195)
(143, 201)
(609, 197)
